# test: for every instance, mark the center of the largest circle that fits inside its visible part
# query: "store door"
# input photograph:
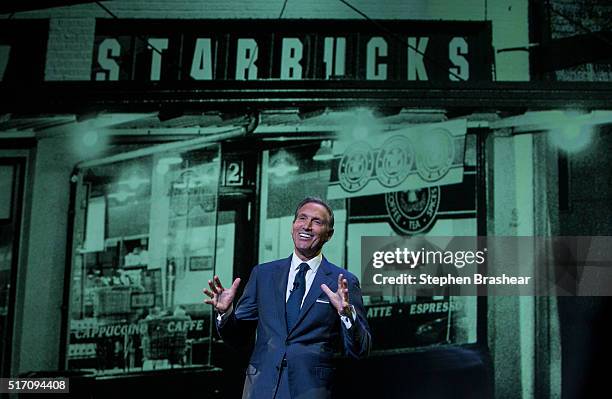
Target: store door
(11, 194)
(238, 210)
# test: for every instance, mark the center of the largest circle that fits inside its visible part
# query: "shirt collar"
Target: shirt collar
(314, 263)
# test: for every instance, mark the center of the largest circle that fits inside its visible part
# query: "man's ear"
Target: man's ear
(330, 233)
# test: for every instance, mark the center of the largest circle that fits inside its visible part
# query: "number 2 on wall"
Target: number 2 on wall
(234, 175)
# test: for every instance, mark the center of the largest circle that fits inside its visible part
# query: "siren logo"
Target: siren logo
(394, 161)
(413, 211)
(436, 155)
(356, 167)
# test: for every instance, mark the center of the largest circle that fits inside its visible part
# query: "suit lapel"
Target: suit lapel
(280, 289)
(322, 277)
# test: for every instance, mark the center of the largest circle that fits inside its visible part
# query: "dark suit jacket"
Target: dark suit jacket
(310, 346)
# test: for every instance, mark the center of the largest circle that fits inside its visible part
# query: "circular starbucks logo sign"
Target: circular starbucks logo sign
(356, 167)
(436, 154)
(394, 161)
(413, 211)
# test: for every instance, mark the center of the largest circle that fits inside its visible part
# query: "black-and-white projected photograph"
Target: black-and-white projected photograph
(305, 199)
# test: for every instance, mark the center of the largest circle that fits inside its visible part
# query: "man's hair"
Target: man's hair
(319, 201)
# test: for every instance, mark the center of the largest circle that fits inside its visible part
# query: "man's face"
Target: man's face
(311, 230)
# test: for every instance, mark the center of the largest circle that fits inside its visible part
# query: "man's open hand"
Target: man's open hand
(340, 298)
(221, 298)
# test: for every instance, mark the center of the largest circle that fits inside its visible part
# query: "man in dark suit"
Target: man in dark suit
(305, 309)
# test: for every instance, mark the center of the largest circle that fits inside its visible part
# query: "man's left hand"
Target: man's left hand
(340, 298)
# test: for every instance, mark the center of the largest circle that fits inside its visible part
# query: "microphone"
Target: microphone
(296, 285)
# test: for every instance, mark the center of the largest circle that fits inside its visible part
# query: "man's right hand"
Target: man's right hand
(221, 298)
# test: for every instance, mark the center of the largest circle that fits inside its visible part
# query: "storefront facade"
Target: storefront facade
(189, 135)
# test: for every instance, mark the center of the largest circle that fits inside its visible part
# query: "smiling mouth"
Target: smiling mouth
(305, 236)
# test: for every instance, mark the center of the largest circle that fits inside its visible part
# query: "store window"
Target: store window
(289, 175)
(145, 243)
(399, 322)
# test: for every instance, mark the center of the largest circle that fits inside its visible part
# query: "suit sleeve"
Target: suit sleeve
(357, 339)
(239, 327)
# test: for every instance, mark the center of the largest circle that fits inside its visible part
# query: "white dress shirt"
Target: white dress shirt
(314, 264)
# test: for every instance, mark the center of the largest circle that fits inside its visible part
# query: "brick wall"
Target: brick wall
(69, 50)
